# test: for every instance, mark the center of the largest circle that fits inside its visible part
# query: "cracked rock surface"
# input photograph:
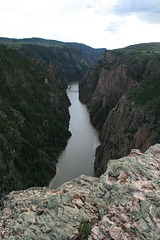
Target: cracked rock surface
(124, 203)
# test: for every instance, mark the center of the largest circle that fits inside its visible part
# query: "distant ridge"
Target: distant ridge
(144, 47)
(71, 60)
(47, 43)
(38, 41)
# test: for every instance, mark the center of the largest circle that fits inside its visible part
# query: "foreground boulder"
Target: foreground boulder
(124, 203)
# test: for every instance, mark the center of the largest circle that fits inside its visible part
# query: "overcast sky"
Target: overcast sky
(97, 23)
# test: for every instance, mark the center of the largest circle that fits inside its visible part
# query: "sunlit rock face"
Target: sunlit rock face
(124, 203)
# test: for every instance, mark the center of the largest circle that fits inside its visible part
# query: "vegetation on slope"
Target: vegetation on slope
(33, 121)
(142, 47)
(69, 63)
(34, 107)
(71, 60)
(122, 92)
(142, 67)
(147, 93)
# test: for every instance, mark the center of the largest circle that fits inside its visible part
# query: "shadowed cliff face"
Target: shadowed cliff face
(122, 95)
(69, 63)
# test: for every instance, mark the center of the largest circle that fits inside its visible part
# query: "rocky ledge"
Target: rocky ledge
(124, 203)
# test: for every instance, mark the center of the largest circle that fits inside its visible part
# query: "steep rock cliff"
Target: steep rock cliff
(126, 127)
(124, 203)
(107, 81)
(122, 95)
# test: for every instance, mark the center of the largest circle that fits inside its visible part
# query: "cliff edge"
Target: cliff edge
(124, 203)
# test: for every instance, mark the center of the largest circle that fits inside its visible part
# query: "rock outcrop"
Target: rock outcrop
(124, 203)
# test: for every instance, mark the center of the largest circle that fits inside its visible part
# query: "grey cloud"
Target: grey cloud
(113, 27)
(148, 10)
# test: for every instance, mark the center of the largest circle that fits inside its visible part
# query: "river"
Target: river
(79, 154)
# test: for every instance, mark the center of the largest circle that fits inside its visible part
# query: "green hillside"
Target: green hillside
(69, 63)
(38, 41)
(142, 47)
(33, 121)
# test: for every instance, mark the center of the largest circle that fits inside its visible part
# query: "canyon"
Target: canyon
(34, 116)
(121, 91)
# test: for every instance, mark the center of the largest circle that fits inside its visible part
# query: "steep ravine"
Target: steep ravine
(122, 95)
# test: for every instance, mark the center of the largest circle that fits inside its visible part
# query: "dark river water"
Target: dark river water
(78, 156)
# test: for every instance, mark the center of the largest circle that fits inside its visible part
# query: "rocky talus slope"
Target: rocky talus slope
(124, 203)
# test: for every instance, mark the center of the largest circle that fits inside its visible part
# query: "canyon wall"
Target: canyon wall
(70, 64)
(33, 106)
(122, 95)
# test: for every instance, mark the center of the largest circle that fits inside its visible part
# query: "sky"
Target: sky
(107, 24)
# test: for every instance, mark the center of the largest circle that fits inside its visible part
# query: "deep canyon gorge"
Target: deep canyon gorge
(121, 90)
(34, 117)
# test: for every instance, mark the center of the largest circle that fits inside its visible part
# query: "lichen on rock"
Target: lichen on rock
(124, 203)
